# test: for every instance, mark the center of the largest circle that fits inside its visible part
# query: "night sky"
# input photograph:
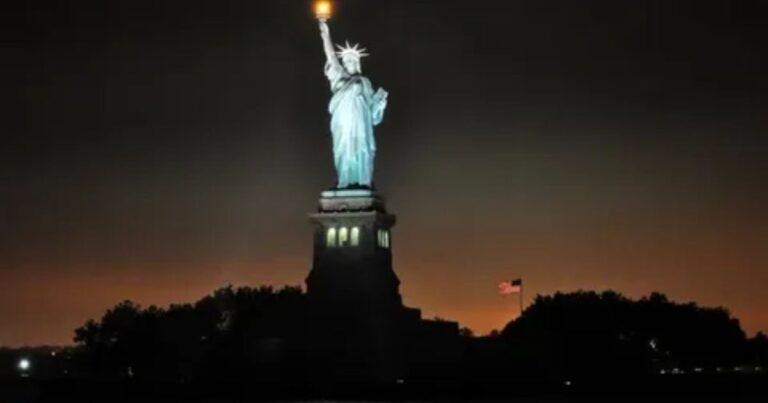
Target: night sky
(157, 150)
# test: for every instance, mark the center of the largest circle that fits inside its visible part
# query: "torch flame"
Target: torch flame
(323, 9)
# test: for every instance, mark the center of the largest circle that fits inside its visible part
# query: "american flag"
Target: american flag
(511, 287)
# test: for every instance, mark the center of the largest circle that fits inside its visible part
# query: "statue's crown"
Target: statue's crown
(351, 51)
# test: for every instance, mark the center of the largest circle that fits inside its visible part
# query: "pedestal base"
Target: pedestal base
(357, 313)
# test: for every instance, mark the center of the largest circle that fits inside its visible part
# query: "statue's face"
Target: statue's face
(351, 64)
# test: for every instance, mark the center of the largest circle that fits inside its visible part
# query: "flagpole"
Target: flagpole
(509, 287)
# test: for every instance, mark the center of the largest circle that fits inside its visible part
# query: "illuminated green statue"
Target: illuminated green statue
(355, 109)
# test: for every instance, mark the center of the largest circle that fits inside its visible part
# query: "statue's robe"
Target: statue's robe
(354, 111)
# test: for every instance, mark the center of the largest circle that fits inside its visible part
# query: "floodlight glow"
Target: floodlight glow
(24, 364)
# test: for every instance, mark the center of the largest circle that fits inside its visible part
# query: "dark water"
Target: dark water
(743, 389)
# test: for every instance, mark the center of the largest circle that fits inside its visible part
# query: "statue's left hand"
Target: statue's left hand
(381, 95)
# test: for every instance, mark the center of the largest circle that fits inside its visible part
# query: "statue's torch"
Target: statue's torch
(323, 10)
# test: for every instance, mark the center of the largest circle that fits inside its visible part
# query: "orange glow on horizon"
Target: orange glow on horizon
(52, 294)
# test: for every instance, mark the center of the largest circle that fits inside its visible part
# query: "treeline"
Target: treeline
(222, 336)
(260, 335)
(589, 335)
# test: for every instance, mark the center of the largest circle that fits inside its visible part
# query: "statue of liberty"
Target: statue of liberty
(355, 109)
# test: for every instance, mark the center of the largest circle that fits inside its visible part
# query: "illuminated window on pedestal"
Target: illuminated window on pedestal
(343, 237)
(383, 238)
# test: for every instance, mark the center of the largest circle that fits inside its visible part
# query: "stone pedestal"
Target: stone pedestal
(352, 261)
(355, 304)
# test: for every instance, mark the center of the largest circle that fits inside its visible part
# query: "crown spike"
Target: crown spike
(349, 50)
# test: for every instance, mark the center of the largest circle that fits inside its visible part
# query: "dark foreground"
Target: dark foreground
(726, 388)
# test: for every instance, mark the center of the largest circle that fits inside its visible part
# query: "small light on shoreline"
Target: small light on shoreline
(24, 365)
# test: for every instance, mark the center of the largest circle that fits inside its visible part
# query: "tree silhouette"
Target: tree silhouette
(586, 334)
(262, 335)
(759, 348)
(224, 335)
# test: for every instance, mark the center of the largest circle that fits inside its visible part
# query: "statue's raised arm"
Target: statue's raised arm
(330, 53)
